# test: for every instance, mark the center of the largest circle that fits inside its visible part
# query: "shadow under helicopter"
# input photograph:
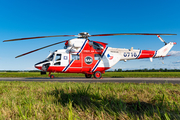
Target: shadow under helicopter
(83, 99)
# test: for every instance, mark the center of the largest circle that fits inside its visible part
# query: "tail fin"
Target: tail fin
(164, 50)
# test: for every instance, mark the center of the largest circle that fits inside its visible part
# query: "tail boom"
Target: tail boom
(127, 54)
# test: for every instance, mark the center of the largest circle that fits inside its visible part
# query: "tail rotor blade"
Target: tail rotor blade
(40, 49)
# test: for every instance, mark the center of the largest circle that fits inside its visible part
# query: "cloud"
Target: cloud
(174, 53)
(177, 62)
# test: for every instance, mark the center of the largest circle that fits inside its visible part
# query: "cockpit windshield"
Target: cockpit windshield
(50, 58)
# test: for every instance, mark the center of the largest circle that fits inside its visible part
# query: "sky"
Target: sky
(29, 18)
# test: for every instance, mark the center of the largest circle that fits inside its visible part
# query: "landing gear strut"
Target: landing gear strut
(88, 75)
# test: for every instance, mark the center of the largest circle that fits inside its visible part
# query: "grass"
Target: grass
(107, 74)
(54, 100)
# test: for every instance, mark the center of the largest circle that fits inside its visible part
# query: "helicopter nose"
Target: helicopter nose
(38, 66)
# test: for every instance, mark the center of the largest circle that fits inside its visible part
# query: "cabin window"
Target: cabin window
(57, 63)
(75, 57)
(97, 46)
(97, 56)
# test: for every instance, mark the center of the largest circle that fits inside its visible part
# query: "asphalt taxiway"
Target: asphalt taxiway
(119, 80)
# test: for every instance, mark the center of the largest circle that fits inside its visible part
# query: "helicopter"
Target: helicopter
(82, 55)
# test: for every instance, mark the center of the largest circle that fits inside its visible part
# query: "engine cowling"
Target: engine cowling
(76, 43)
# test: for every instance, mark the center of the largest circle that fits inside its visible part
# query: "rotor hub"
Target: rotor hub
(84, 35)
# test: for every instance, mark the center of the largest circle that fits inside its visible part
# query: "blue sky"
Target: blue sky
(29, 18)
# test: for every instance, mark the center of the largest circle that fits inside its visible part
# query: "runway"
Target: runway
(103, 80)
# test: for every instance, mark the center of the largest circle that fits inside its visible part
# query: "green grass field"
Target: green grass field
(107, 74)
(54, 100)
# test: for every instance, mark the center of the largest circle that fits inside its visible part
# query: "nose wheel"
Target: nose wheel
(51, 75)
(97, 75)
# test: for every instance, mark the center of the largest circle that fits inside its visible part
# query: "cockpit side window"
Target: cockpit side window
(58, 57)
(97, 46)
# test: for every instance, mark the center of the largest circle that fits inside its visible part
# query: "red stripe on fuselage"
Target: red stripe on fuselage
(74, 70)
(55, 68)
(146, 54)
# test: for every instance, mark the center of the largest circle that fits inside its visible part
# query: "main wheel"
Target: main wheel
(52, 76)
(88, 75)
(97, 75)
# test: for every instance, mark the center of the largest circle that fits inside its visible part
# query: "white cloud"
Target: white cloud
(177, 61)
(174, 53)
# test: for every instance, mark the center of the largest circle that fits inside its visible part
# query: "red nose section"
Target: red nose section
(38, 67)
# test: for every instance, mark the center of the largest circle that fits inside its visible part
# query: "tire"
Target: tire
(97, 75)
(52, 76)
(88, 75)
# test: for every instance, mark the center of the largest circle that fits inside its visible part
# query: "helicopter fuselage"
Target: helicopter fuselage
(90, 57)
(84, 56)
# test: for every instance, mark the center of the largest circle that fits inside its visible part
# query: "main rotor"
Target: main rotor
(86, 35)
(80, 35)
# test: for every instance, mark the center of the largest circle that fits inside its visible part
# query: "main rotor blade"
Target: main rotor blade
(40, 49)
(129, 34)
(39, 37)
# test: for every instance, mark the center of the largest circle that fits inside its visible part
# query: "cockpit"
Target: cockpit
(52, 59)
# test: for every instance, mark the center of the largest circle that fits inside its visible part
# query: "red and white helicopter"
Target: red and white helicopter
(81, 55)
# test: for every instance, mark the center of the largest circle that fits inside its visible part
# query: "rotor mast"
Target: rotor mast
(84, 35)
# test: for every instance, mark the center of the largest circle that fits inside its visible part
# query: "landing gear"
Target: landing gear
(51, 75)
(43, 72)
(88, 75)
(97, 75)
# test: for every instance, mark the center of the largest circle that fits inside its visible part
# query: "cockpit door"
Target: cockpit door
(61, 59)
(57, 60)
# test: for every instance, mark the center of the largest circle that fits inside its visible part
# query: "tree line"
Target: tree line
(148, 70)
